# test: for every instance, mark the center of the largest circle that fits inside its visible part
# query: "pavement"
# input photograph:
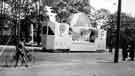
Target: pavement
(13, 47)
(72, 64)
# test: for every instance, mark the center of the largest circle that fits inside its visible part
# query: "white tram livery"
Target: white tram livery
(78, 35)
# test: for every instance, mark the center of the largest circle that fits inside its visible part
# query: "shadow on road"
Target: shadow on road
(6, 66)
(104, 62)
(107, 61)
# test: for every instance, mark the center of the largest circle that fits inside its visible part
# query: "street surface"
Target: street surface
(72, 64)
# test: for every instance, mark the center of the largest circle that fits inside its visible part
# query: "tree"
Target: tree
(100, 18)
(65, 8)
(127, 28)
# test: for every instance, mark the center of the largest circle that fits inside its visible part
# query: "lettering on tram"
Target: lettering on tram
(62, 29)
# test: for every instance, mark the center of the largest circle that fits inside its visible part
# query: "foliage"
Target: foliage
(65, 8)
(100, 18)
(127, 28)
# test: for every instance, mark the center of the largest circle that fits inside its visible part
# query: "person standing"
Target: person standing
(124, 51)
(131, 52)
(110, 40)
(124, 45)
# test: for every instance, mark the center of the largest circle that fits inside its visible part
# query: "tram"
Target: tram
(61, 38)
(57, 37)
(72, 36)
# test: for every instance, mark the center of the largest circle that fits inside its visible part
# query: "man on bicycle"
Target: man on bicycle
(21, 53)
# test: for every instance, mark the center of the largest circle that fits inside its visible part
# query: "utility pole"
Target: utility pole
(17, 9)
(116, 55)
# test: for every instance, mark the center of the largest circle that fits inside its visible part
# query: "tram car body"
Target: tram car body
(59, 37)
(78, 35)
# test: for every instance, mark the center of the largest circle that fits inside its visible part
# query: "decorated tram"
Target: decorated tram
(77, 35)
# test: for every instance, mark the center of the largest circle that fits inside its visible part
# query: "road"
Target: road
(72, 64)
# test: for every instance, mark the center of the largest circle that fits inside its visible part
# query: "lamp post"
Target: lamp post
(116, 55)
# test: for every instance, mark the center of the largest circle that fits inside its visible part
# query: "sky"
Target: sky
(128, 6)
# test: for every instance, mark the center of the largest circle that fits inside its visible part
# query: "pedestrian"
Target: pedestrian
(131, 52)
(124, 51)
(110, 40)
(124, 45)
(111, 47)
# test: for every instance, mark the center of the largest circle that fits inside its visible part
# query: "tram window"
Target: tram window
(92, 38)
(50, 32)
